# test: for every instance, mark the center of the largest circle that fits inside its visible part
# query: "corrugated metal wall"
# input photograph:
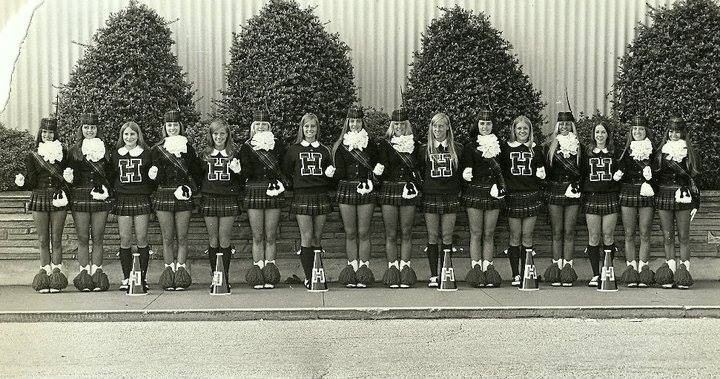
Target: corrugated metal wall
(560, 43)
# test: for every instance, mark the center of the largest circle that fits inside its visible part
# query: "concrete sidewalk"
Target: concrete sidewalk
(22, 304)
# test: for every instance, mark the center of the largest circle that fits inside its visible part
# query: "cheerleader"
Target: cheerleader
(678, 200)
(220, 189)
(398, 195)
(600, 197)
(636, 202)
(175, 170)
(563, 197)
(46, 174)
(355, 157)
(260, 156)
(441, 183)
(523, 168)
(130, 165)
(308, 163)
(482, 196)
(90, 202)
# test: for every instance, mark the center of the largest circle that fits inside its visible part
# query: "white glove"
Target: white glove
(467, 174)
(682, 195)
(572, 192)
(495, 192)
(330, 171)
(647, 173)
(180, 195)
(235, 165)
(646, 190)
(379, 169)
(152, 173)
(68, 175)
(370, 186)
(540, 173)
(618, 175)
(692, 213)
(60, 201)
(19, 180)
(100, 195)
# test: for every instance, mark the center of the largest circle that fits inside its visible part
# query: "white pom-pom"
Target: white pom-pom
(540, 173)
(467, 174)
(618, 175)
(152, 173)
(19, 180)
(180, 193)
(572, 192)
(101, 195)
(330, 171)
(379, 169)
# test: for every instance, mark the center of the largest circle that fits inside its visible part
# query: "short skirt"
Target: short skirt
(256, 196)
(82, 201)
(214, 205)
(390, 193)
(132, 205)
(555, 194)
(478, 196)
(347, 193)
(165, 201)
(311, 204)
(41, 201)
(522, 204)
(600, 203)
(630, 197)
(665, 200)
(440, 203)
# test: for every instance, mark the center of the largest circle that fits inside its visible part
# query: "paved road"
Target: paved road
(387, 348)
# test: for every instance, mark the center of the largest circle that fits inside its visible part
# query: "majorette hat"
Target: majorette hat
(639, 120)
(172, 116)
(399, 115)
(355, 111)
(48, 124)
(485, 115)
(565, 116)
(88, 118)
(677, 123)
(260, 115)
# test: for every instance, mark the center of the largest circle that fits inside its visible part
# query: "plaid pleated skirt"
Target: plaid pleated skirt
(600, 203)
(665, 200)
(555, 194)
(390, 193)
(478, 196)
(347, 193)
(82, 201)
(440, 203)
(523, 204)
(41, 201)
(164, 200)
(132, 205)
(214, 205)
(256, 196)
(311, 204)
(630, 197)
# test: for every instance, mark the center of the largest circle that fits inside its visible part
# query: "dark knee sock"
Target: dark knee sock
(594, 256)
(212, 258)
(144, 261)
(514, 257)
(306, 260)
(226, 257)
(611, 249)
(432, 253)
(126, 261)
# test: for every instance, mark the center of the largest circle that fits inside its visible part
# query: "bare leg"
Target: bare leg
(42, 226)
(182, 223)
(318, 226)
(225, 230)
(448, 227)
(528, 229)
(57, 220)
(364, 214)
(683, 225)
(349, 217)
(272, 220)
(571, 214)
(608, 228)
(667, 222)
(629, 216)
(167, 229)
(390, 220)
(99, 219)
(125, 229)
(491, 217)
(257, 225)
(646, 220)
(82, 230)
(557, 221)
(476, 219)
(407, 219)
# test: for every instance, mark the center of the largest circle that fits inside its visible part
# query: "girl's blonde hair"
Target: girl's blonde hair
(440, 117)
(215, 126)
(136, 128)
(390, 133)
(531, 137)
(306, 118)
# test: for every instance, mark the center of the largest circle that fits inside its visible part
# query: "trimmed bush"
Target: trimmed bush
(376, 122)
(672, 68)
(464, 65)
(284, 60)
(16, 144)
(585, 124)
(129, 73)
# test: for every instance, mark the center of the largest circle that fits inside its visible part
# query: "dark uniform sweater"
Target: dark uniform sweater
(130, 172)
(440, 176)
(169, 175)
(395, 169)
(305, 166)
(218, 178)
(349, 168)
(597, 171)
(519, 165)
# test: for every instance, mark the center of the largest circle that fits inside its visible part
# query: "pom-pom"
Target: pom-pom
(93, 149)
(683, 279)
(408, 278)
(475, 277)
(492, 277)
(573, 191)
(41, 282)
(271, 273)
(552, 274)
(630, 276)
(365, 276)
(176, 145)
(356, 140)
(254, 277)
(664, 276)
(183, 192)
(347, 277)
(59, 199)
(83, 281)
(641, 150)
(568, 275)
(488, 145)
(391, 278)
(167, 279)
(58, 280)
(100, 281)
(182, 279)
(646, 277)
(568, 144)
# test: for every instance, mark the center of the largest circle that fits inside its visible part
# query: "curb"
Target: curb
(293, 314)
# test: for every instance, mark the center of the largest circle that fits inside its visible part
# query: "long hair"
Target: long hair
(306, 118)
(691, 159)
(531, 136)
(164, 130)
(609, 144)
(345, 128)
(439, 117)
(390, 133)
(76, 149)
(253, 128)
(552, 144)
(215, 126)
(629, 139)
(134, 127)
(38, 137)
